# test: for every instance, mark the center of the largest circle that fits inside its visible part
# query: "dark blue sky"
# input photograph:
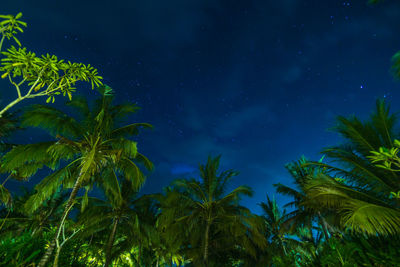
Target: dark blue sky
(259, 82)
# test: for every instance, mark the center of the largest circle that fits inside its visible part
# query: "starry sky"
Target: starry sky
(258, 81)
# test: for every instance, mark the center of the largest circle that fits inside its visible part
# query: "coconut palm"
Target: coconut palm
(302, 171)
(121, 213)
(208, 217)
(358, 190)
(277, 232)
(83, 146)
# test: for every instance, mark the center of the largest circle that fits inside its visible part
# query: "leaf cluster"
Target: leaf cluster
(46, 74)
(9, 26)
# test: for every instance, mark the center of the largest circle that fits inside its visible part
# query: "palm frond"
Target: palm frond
(53, 120)
(145, 161)
(286, 190)
(22, 155)
(235, 195)
(5, 196)
(121, 111)
(111, 187)
(81, 105)
(370, 218)
(355, 208)
(363, 136)
(128, 147)
(131, 172)
(361, 170)
(130, 130)
(45, 189)
(384, 123)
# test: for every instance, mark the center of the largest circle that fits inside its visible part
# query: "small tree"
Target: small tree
(35, 76)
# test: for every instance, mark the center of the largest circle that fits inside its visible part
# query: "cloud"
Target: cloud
(292, 74)
(182, 168)
(243, 121)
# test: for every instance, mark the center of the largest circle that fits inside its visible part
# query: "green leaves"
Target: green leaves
(5, 196)
(47, 74)
(85, 201)
(19, 160)
(396, 65)
(44, 75)
(98, 150)
(359, 194)
(9, 26)
(192, 206)
(387, 159)
(52, 120)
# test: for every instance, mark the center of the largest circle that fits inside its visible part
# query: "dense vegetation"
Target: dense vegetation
(344, 209)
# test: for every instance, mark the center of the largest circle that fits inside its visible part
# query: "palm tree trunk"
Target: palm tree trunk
(283, 245)
(67, 209)
(111, 242)
(206, 236)
(140, 252)
(324, 225)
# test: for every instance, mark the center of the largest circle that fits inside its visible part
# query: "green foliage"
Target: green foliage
(9, 26)
(44, 75)
(388, 159)
(16, 219)
(358, 194)
(396, 65)
(5, 196)
(92, 148)
(23, 250)
(213, 221)
(8, 125)
(374, 2)
(84, 143)
(341, 214)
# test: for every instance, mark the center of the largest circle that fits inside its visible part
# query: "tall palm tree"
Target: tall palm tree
(121, 212)
(84, 146)
(357, 190)
(204, 213)
(277, 232)
(302, 171)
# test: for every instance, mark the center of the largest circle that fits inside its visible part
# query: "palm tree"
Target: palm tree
(302, 171)
(121, 211)
(89, 144)
(203, 212)
(277, 231)
(17, 220)
(358, 191)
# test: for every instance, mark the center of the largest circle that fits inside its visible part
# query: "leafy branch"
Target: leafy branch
(9, 27)
(387, 159)
(44, 75)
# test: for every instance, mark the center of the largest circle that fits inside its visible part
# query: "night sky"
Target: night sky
(259, 82)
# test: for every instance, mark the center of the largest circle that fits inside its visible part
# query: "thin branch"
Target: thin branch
(8, 177)
(16, 85)
(2, 40)
(36, 82)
